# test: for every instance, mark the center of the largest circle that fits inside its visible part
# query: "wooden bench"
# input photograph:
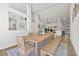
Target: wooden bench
(50, 48)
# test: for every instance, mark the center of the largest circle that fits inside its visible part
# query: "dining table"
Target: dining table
(37, 38)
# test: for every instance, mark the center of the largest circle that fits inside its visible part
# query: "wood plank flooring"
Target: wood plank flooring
(3, 53)
(70, 48)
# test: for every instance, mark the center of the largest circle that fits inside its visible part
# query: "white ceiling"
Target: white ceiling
(18, 6)
(60, 11)
(47, 10)
(36, 7)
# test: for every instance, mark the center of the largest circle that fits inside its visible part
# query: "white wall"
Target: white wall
(29, 18)
(34, 24)
(74, 31)
(7, 38)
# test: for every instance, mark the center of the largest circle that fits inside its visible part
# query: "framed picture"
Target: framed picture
(17, 22)
(12, 22)
(22, 24)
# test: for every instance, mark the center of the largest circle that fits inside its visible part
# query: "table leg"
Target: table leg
(36, 49)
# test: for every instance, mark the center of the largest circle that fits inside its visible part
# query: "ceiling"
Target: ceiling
(47, 10)
(18, 6)
(58, 12)
(36, 7)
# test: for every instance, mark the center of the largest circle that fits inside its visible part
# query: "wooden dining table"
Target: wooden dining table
(36, 38)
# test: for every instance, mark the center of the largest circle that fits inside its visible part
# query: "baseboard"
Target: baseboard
(9, 47)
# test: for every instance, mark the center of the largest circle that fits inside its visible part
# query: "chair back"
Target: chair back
(21, 44)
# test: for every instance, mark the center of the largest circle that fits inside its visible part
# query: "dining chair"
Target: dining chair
(24, 49)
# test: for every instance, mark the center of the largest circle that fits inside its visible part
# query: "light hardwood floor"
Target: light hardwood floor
(3, 53)
(70, 48)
